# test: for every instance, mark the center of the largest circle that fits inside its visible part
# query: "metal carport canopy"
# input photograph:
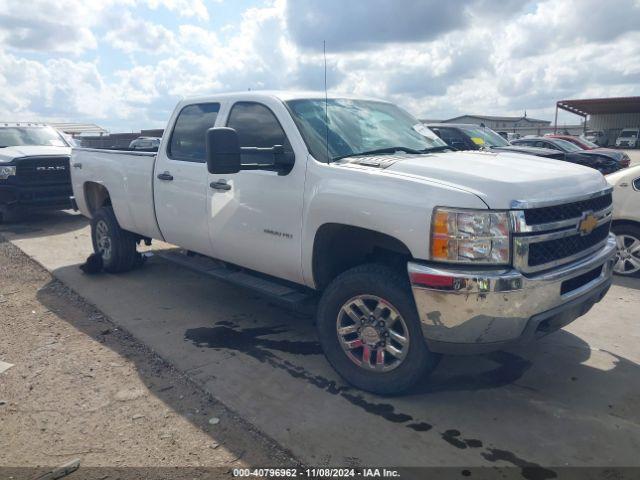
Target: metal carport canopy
(590, 106)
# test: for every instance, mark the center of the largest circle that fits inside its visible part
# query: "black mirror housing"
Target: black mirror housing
(223, 150)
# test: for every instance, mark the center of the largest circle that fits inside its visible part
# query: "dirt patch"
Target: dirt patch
(81, 388)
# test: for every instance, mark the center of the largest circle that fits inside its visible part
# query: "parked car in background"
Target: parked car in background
(582, 142)
(598, 137)
(72, 142)
(473, 137)
(622, 157)
(628, 138)
(602, 160)
(626, 220)
(145, 143)
(508, 136)
(411, 249)
(34, 169)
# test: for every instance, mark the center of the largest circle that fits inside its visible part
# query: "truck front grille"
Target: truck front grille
(36, 171)
(549, 236)
(537, 216)
(552, 250)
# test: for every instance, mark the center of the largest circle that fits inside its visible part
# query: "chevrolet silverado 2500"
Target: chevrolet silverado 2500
(413, 250)
(34, 169)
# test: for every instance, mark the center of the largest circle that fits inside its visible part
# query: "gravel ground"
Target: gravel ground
(82, 388)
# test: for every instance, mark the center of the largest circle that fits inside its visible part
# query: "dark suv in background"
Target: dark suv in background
(462, 136)
(34, 169)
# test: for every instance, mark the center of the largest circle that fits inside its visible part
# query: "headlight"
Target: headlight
(7, 171)
(470, 236)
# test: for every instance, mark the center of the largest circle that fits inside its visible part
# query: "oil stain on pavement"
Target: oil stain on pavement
(250, 341)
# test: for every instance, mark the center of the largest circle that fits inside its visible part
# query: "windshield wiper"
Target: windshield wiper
(378, 151)
(440, 148)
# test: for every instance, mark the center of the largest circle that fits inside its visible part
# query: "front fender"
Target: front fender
(370, 198)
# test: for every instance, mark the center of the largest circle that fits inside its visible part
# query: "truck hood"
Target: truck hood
(500, 178)
(8, 154)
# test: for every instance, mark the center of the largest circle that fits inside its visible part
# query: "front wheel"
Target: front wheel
(370, 332)
(116, 246)
(628, 250)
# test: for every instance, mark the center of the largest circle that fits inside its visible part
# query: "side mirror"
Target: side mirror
(223, 150)
(282, 160)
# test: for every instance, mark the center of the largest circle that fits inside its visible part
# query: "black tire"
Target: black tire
(123, 255)
(393, 287)
(629, 230)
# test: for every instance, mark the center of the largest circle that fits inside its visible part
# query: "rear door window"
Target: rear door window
(188, 137)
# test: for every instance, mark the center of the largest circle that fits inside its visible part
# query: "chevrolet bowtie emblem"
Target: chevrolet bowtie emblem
(587, 223)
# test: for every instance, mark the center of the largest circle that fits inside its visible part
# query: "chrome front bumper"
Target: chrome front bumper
(476, 311)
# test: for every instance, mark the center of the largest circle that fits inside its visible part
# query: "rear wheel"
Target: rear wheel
(116, 246)
(370, 332)
(628, 250)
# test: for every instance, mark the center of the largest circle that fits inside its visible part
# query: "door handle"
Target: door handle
(77, 165)
(165, 176)
(220, 185)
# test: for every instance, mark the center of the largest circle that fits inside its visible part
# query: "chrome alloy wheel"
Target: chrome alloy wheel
(627, 255)
(372, 333)
(103, 240)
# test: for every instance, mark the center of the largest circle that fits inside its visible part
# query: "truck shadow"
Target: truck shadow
(554, 367)
(42, 224)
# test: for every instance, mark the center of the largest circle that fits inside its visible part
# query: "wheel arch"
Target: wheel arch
(96, 196)
(623, 221)
(338, 247)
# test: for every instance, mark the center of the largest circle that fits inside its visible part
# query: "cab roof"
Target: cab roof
(283, 95)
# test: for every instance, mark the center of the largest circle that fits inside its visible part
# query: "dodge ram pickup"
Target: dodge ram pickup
(410, 249)
(34, 169)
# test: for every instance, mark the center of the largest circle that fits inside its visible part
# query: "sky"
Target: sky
(123, 64)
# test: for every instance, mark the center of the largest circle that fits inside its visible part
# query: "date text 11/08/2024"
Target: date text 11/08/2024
(316, 472)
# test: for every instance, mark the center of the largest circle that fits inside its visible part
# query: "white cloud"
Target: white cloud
(137, 35)
(61, 26)
(486, 60)
(184, 8)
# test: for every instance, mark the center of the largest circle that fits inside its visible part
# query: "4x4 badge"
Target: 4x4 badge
(588, 223)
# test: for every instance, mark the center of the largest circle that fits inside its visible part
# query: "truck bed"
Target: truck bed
(128, 176)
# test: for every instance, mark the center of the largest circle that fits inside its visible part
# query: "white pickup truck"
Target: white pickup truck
(411, 249)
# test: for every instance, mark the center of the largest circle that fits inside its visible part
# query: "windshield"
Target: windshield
(18, 136)
(357, 126)
(588, 143)
(485, 137)
(628, 133)
(566, 146)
